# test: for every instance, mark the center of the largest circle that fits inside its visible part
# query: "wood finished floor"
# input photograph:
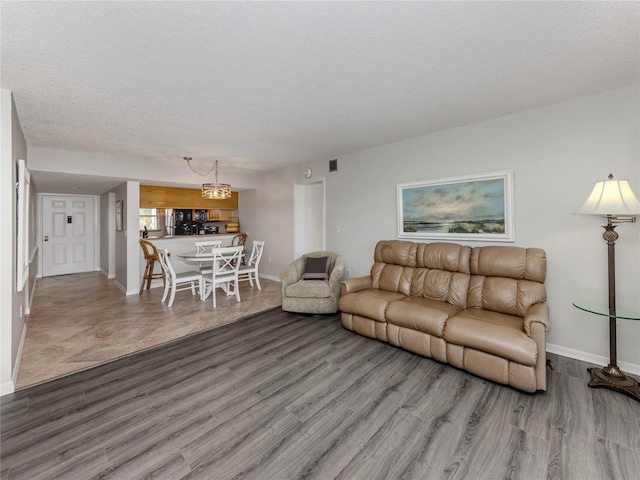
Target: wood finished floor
(280, 396)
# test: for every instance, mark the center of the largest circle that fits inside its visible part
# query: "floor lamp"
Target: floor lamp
(614, 200)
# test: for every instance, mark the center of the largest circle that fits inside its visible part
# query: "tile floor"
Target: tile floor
(82, 320)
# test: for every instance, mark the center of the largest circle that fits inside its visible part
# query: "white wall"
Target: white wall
(557, 153)
(308, 217)
(267, 214)
(108, 234)
(12, 303)
(127, 249)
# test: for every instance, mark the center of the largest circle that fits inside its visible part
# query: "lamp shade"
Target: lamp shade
(611, 197)
(216, 191)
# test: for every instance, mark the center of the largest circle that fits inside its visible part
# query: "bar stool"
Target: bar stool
(152, 256)
(238, 241)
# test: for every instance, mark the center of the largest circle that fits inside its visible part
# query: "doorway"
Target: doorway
(68, 238)
(309, 217)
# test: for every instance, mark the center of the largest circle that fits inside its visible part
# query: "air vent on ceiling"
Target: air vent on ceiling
(333, 165)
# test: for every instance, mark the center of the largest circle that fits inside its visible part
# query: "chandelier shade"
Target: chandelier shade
(213, 191)
(216, 191)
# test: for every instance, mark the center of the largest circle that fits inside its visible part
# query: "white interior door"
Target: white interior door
(309, 217)
(67, 235)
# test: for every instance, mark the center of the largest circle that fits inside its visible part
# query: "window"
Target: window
(148, 217)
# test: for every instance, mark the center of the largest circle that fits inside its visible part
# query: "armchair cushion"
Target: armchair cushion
(308, 289)
(316, 268)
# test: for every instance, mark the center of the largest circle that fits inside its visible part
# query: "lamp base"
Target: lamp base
(612, 378)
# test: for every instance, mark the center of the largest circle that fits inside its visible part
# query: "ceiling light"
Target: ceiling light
(215, 191)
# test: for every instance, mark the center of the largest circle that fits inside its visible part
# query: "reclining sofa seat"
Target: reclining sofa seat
(480, 309)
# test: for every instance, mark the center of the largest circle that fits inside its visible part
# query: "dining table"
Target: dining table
(204, 258)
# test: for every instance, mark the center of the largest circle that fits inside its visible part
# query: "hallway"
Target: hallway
(82, 320)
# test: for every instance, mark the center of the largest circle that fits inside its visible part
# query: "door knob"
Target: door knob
(46, 238)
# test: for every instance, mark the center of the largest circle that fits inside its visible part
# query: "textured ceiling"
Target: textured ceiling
(262, 85)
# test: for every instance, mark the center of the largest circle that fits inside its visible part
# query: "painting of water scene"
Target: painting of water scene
(473, 207)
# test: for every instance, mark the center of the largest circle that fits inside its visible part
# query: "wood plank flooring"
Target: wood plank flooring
(284, 396)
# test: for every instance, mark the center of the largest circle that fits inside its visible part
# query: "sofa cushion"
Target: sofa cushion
(512, 262)
(396, 252)
(444, 256)
(421, 314)
(392, 278)
(504, 295)
(451, 287)
(491, 332)
(371, 303)
(308, 289)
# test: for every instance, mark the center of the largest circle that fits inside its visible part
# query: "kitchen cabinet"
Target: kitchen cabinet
(223, 215)
(152, 196)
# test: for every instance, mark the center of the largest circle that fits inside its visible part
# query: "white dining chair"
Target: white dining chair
(250, 270)
(205, 248)
(177, 281)
(224, 272)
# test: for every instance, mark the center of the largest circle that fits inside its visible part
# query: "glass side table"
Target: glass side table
(611, 376)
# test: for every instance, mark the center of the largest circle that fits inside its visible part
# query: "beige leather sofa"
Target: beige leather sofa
(481, 309)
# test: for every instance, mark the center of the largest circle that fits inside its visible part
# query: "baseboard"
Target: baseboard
(120, 287)
(7, 388)
(31, 294)
(16, 366)
(270, 277)
(631, 368)
(106, 274)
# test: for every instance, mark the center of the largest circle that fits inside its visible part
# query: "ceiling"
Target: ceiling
(264, 85)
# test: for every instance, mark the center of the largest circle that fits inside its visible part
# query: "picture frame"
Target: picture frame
(471, 207)
(119, 215)
(23, 198)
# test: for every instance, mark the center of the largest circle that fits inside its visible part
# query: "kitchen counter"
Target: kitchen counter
(208, 235)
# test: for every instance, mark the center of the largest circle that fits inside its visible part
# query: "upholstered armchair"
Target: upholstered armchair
(310, 293)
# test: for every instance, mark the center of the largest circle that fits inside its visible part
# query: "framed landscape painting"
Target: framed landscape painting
(471, 207)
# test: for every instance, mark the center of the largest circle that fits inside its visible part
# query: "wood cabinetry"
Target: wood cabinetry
(170, 197)
(221, 214)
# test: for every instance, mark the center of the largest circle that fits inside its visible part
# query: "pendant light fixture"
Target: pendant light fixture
(214, 191)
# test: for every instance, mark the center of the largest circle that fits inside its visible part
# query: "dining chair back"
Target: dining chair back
(205, 248)
(250, 271)
(150, 252)
(177, 281)
(224, 272)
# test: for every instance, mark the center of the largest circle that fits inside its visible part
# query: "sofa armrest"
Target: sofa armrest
(537, 313)
(355, 284)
